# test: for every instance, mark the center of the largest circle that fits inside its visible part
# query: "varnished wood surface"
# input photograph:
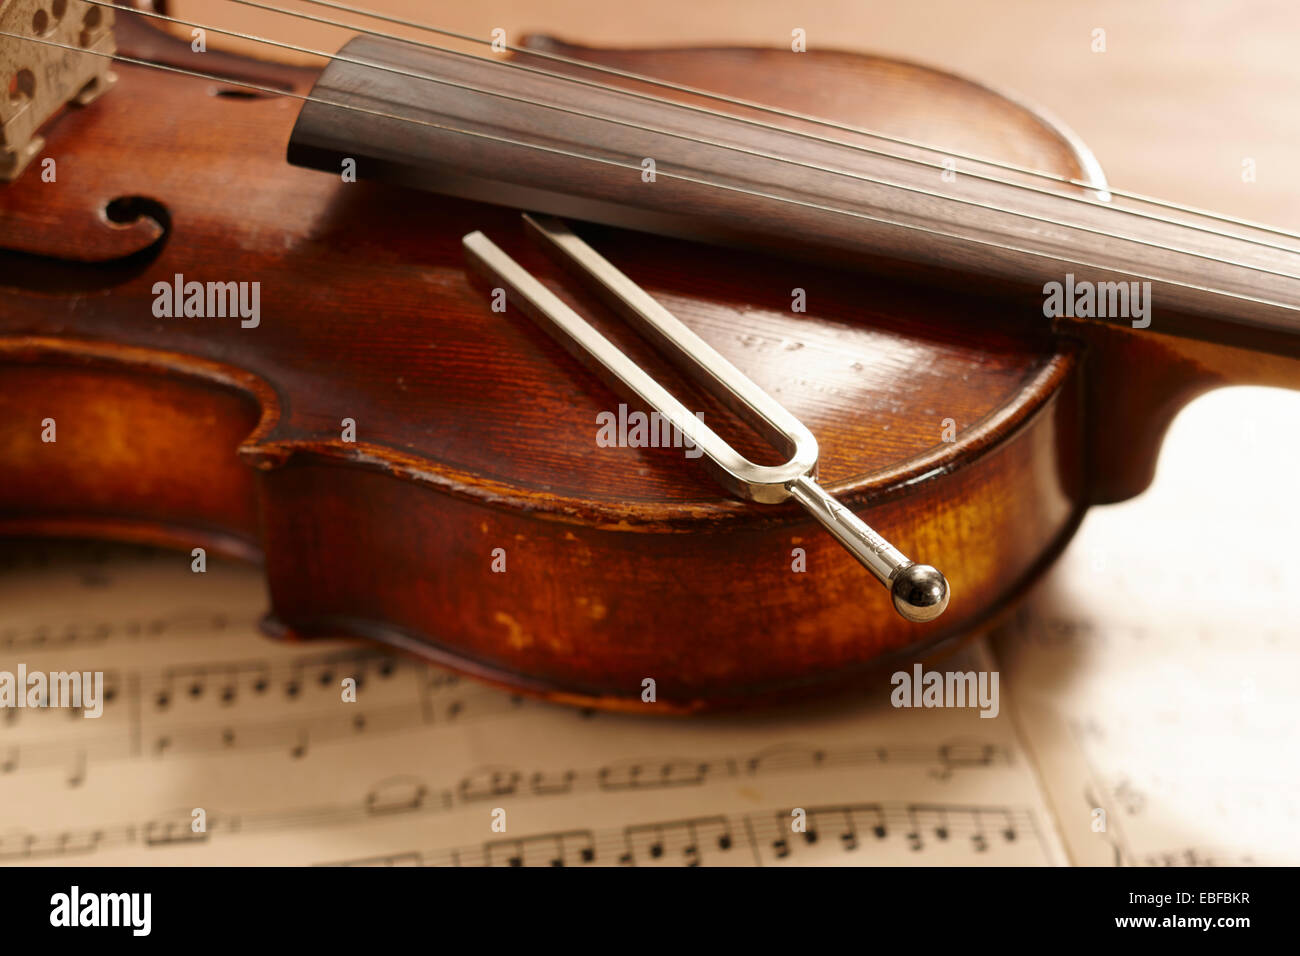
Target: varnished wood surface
(476, 432)
(390, 318)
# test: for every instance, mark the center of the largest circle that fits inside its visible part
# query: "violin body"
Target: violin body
(413, 467)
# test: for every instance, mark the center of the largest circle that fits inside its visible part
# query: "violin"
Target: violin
(295, 316)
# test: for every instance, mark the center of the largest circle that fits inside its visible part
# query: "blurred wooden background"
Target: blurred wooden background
(1186, 90)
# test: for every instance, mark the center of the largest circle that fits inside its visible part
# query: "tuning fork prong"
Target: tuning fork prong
(920, 592)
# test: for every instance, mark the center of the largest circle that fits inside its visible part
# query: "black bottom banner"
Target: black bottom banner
(302, 906)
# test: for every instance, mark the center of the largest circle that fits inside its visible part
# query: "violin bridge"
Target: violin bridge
(920, 592)
(43, 68)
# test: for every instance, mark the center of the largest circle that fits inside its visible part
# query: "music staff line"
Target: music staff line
(763, 838)
(1121, 798)
(147, 717)
(57, 637)
(238, 678)
(147, 707)
(410, 795)
(294, 736)
(1198, 856)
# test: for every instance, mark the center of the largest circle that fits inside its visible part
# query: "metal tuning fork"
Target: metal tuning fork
(920, 592)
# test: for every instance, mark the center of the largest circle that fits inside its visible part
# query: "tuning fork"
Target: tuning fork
(920, 592)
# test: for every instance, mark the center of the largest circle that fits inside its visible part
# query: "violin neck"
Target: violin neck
(691, 167)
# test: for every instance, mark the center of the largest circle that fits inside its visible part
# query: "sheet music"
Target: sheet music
(1149, 676)
(1153, 673)
(203, 713)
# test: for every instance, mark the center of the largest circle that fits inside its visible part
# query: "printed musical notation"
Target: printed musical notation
(290, 705)
(206, 707)
(1138, 727)
(1141, 724)
(860, 834)
(1156, 695)
(202, 713)
(408, 794)
(1193, 856)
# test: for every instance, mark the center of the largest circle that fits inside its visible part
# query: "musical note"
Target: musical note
(978, 839)
(692, 841)
(100, 632)
(215, 710)
(488, 784)
(168, 832)
(687, 842)
(541, 786)
(548, 849)
(77, 775)
(668, 773)
(15, 846)
(79, 843)
(941, 830)
(229, 690)
(1129, 796)
(849, 835)
(262, 679)
(965, 755)
(396, 796)
(786, 757)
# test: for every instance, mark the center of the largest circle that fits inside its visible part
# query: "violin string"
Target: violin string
(787, 114)
(927, 230)
(858, 147)
(932, 194)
